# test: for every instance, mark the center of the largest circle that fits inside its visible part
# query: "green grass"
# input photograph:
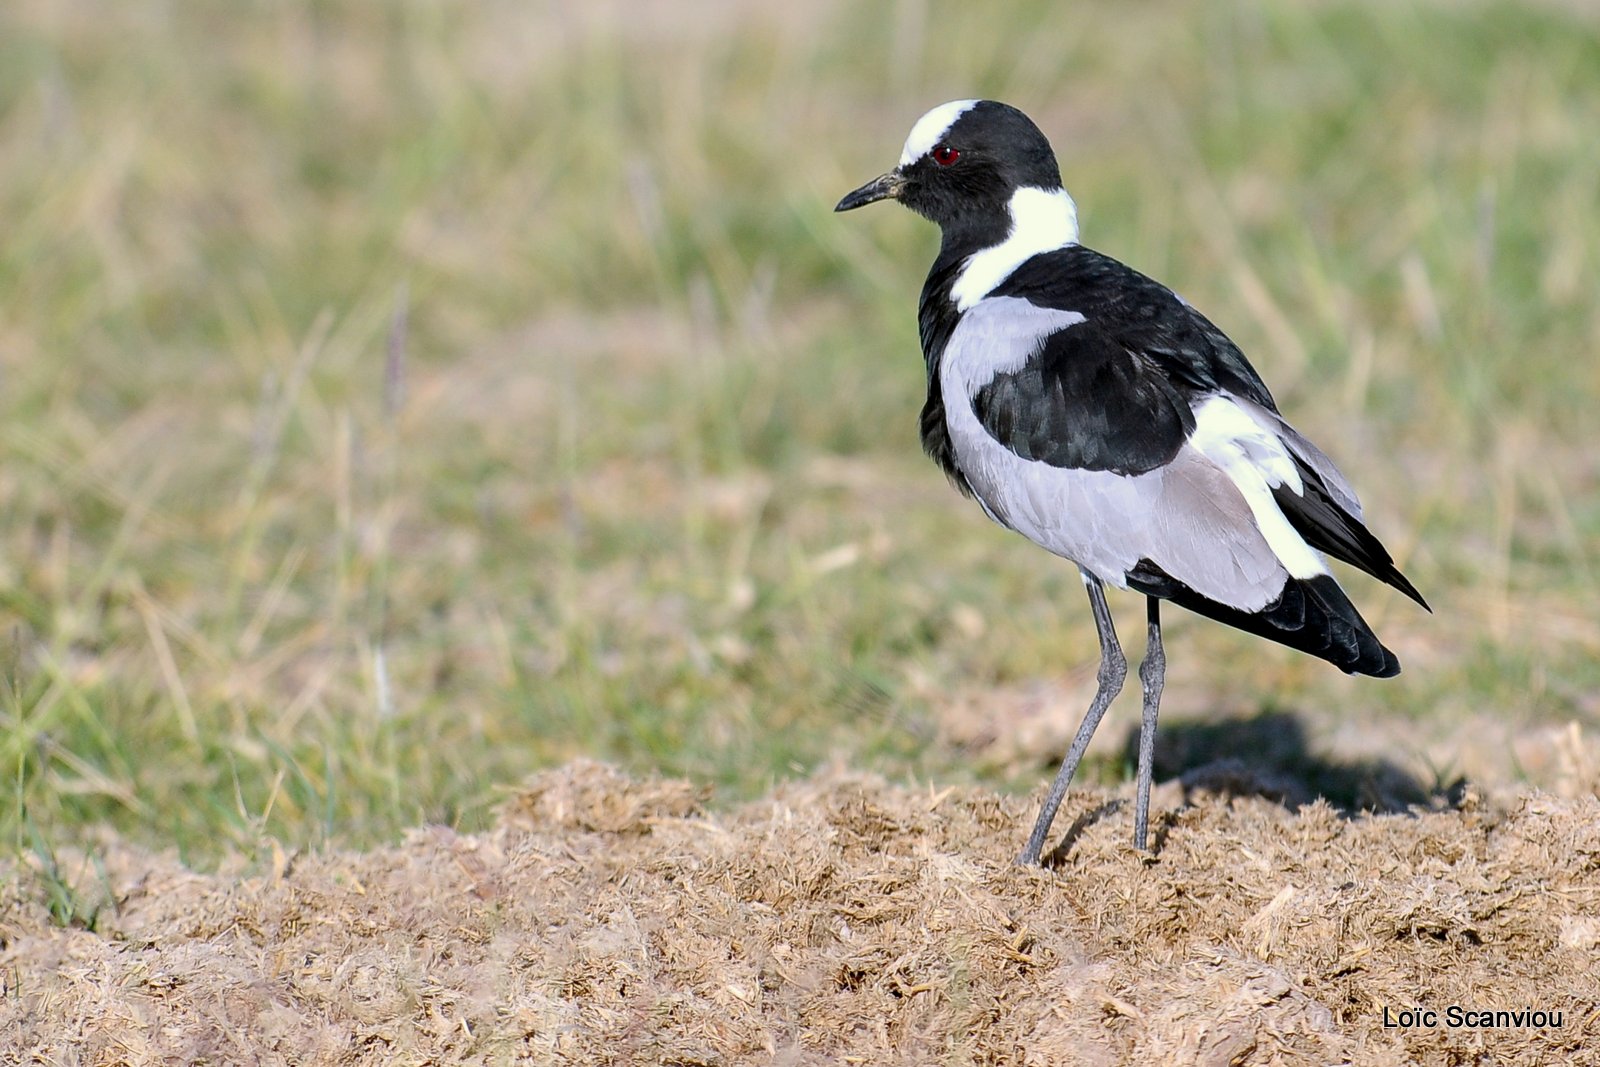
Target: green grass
(398, 398)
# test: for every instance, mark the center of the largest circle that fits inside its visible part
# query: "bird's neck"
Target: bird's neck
(1036, 220)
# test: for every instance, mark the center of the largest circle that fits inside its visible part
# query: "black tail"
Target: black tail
(1311, 614)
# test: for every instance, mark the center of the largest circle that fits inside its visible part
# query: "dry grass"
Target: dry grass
(605, 921)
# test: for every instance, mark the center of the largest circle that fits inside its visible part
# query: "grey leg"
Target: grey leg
(1113, 669)
(1151, 675)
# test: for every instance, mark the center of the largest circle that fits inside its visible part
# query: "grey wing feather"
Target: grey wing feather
(1308, 454)
(1206, 536)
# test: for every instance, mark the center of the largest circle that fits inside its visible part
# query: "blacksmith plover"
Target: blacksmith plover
(1093, 411)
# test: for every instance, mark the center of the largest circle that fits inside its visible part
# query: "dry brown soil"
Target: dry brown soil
(840, 920)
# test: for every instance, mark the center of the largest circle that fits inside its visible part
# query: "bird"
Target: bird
(1094, 411)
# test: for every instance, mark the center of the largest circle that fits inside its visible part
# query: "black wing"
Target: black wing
(1326, 525)
(1084, 401)
(1141, 315)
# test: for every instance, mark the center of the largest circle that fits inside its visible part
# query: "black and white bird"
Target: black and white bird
(1093, 411)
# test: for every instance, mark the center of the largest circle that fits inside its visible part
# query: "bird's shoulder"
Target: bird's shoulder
(1130, 310)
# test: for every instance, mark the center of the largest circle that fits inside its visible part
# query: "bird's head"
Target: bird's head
(963, 164)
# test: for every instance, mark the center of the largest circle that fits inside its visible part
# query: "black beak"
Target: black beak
(881, 188)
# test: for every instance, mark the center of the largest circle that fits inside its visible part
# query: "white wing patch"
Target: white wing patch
(1337, 485)
(931, 128)
(1042, 220)
(1256, 460)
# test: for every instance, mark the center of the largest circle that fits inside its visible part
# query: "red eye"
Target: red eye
(944, 155)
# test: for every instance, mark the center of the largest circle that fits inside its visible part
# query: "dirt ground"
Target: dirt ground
(840, 920)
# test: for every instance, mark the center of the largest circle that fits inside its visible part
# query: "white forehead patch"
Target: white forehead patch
(931, 128)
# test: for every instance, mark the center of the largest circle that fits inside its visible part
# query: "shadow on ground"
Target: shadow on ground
(1266, 755)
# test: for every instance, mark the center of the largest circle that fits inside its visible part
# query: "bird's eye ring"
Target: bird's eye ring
(944, 155)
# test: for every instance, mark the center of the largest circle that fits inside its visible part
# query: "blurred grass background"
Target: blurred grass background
(398, 398)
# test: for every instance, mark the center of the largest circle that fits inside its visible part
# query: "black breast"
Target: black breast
(936, 320)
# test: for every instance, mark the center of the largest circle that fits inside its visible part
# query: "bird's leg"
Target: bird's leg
(1151, 673)
(1113, 669)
